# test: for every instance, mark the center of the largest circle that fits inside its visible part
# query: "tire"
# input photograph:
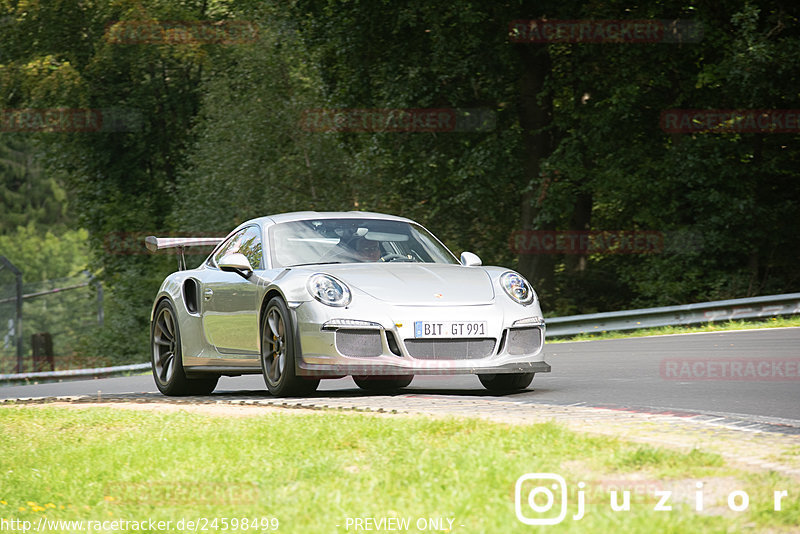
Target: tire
(382, 383)
(506, 383)
(166, 357)
(278, 353)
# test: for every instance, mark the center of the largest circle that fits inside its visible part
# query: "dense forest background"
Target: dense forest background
(211, 134)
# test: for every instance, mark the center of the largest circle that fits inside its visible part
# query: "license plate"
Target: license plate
(450, 329)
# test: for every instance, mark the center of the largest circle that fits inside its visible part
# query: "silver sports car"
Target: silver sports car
(305, 296)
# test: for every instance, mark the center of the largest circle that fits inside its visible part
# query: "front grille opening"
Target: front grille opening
(359, 343)
(392, 342)
(450, 349)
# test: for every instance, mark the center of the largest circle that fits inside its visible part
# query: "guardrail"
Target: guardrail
(685, 314)
(75, 373)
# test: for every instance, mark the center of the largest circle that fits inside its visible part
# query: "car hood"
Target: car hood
(421, 284)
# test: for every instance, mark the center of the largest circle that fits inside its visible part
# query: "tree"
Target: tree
(63, 55)
(29, 194)
(252, 156)
(579, 144)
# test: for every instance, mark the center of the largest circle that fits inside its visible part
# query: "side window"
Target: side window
(230, 246)
(246, 241)
(251, 247)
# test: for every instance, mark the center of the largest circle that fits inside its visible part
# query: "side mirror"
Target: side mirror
(468, 259)
(236, 263)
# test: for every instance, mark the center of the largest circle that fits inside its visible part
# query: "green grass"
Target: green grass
(721, 326)
(313, 471)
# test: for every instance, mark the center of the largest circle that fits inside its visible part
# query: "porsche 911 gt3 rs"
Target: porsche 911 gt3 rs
(305, 296)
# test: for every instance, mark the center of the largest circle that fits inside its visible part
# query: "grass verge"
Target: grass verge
(323, 472)
(721, 326)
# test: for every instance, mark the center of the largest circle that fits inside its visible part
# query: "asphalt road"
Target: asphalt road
(752, 374)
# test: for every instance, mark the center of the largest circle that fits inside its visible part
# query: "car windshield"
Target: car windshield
(353, 241)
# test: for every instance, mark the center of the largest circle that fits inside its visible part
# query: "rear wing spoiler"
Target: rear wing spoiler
(154, 244)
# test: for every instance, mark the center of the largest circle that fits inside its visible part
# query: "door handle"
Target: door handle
(207, 294)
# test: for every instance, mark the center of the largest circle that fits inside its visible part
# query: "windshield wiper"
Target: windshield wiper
(315, 263)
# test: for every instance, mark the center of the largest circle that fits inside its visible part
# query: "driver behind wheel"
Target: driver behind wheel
(368, 250)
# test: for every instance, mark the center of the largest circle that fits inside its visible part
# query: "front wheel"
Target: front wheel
(382, 383)
(278, 353)
(166, 357)
(506, 383)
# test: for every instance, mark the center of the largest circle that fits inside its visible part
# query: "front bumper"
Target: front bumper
(379, 340)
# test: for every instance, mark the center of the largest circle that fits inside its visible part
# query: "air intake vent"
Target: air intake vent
(190, 292)
(524, 340)
(359, 343)
(392, 342)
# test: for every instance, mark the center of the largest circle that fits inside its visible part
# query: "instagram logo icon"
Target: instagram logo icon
(535, 496)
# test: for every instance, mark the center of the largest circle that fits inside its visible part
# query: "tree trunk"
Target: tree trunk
(580, 220)
(535, 116)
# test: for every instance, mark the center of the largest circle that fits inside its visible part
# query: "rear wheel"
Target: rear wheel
(506, 383)
(166, 357)
(278, 354)
(382, 383)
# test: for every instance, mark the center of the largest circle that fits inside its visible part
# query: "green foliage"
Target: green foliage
(576, 142)
(464, 186)
(251, 157)
(59, 56)
(42, 255)
(29, 194)
(727, 204)
(47, 261)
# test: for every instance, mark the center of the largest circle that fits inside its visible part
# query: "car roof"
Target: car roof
(307, 215)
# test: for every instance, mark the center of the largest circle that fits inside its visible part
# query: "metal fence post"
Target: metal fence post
(100, 314)
(42, 346)
(99, 286)
(18, 328)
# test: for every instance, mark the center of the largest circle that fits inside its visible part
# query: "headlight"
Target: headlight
(517, 287)
(328, 290)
